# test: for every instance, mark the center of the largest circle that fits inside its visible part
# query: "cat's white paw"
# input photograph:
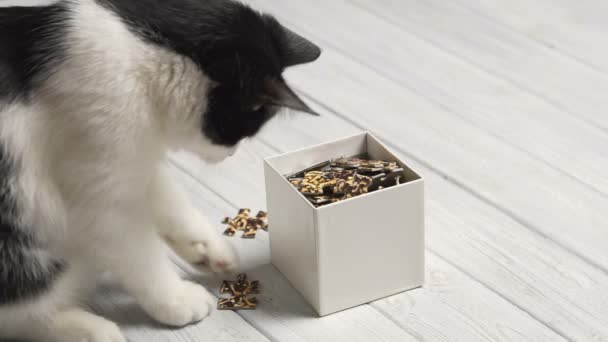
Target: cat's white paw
(216, 255)
(187, 304)
(81, 326)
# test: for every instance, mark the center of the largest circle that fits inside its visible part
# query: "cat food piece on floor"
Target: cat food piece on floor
(248, 225)
(239, 222)
(239, 291)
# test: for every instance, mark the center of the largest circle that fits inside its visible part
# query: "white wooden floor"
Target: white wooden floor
(503, 107)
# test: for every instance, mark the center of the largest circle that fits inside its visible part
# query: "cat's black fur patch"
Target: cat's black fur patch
(234, 45)
(29, 45)
(26, 269)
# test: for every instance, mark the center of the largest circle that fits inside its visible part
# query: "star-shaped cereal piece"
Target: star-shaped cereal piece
(239, 291)
(239, 222)
(260, 221)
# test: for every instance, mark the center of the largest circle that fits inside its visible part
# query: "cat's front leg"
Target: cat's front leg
(186, 230)
(129, 246)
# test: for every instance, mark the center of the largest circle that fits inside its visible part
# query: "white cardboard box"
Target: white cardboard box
(350, 252)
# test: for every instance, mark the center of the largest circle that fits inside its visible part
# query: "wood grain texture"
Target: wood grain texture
(566, 85)
(431, 312)
(121, 308)
(557, 90)
(536, 275)
(544, 199)
(282, 314)
(113, 303)
(575, 28)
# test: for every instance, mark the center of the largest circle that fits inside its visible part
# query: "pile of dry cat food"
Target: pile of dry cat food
(343, 178)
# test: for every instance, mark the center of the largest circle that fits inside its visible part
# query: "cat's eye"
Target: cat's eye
(257, 107)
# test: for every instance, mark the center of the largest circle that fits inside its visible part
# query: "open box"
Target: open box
(350, 252)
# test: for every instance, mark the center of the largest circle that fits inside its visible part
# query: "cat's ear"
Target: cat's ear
(299, 49)
(277, 93)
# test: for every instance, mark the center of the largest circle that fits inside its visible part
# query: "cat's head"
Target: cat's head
(246, 69)
(243, 53)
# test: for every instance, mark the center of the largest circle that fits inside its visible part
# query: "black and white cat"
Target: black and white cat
(93, 93)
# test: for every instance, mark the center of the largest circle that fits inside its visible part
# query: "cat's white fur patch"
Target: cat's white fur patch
(91, 147)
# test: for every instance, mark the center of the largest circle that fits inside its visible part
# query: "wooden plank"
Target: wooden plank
(573, 148)
(528, 190)
(576, 28)
(113, 303)
(568, 87)
(532, 272)
(426, 314)
(500, 252)
(440, 312)
(568, 144)
(283, 315)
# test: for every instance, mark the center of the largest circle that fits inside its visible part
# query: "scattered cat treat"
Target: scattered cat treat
(315, 182)
(239, 222)
(339, 179)
(352, 185)
(248, 225)
(395, 177)
(364, 165)
(260, 221)
(296, 182)
(239, 291)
